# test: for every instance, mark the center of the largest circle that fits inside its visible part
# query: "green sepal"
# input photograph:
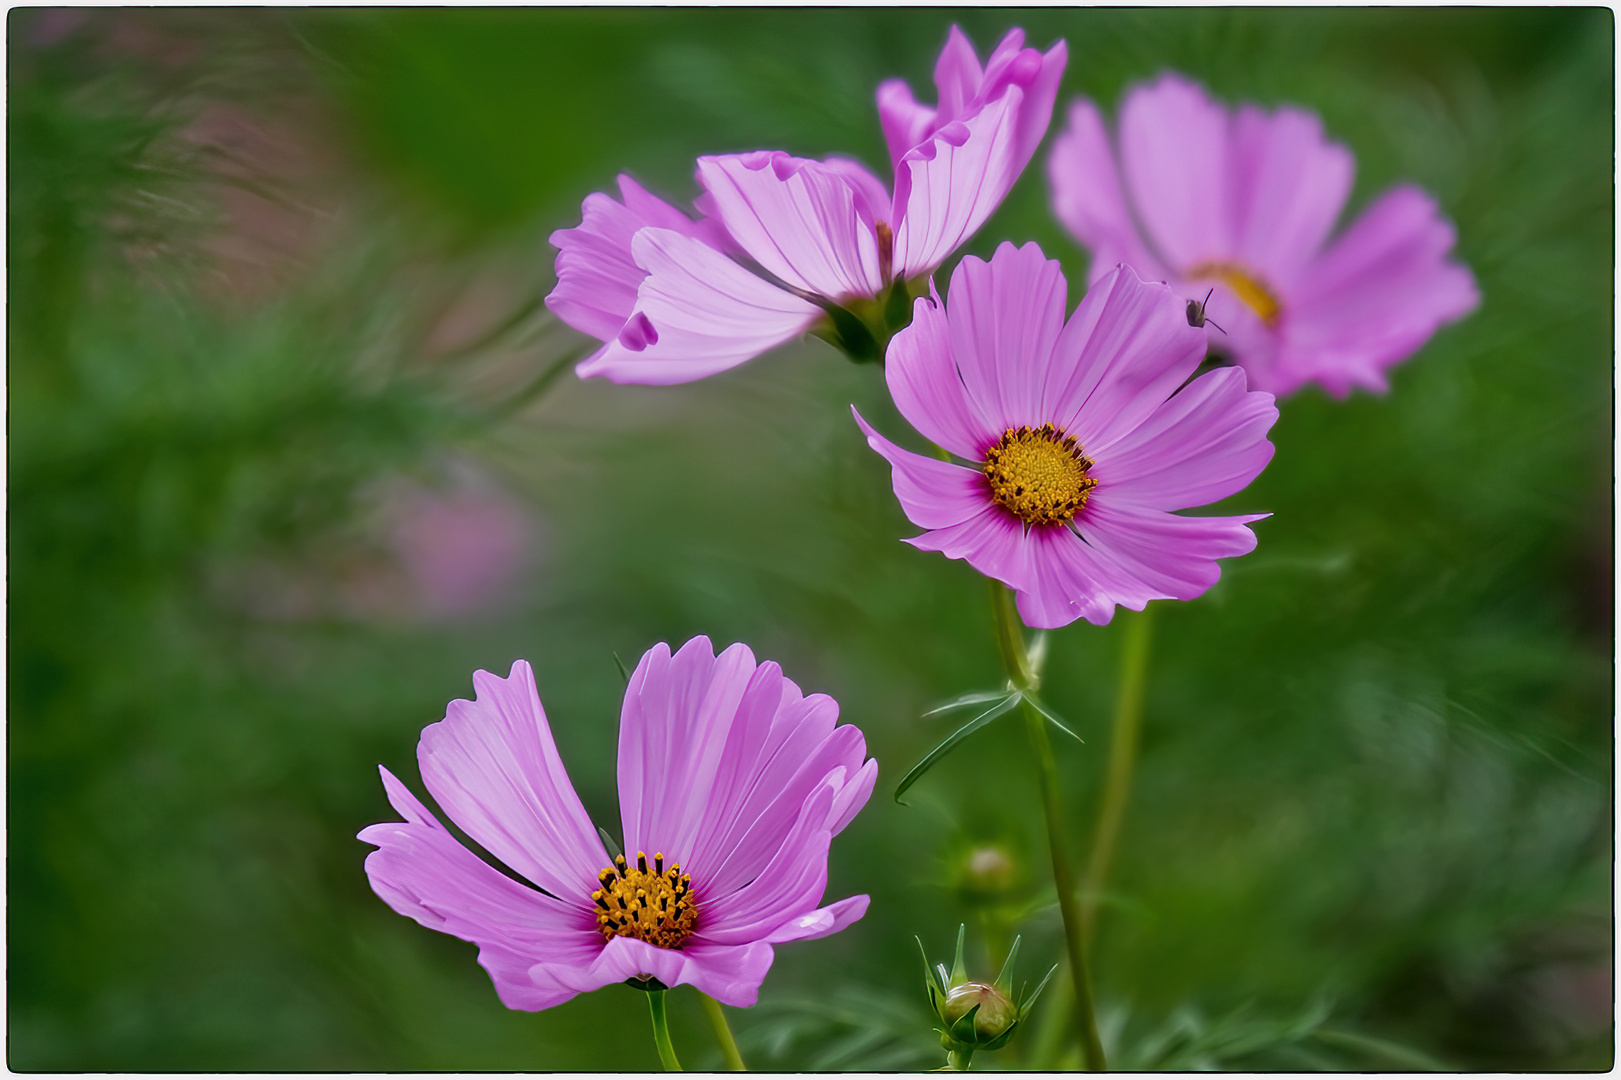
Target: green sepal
(1004, 978)
(959, 971)
(648, 985)
(1005, 705)
(850, 335)
(620, 664)
(609, 843)
(897, 306)
(1002, 1039)
(962, 1032)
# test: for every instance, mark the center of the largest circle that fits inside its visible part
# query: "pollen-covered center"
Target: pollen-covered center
(1039, 475)
(655, 906)
(1244, 284)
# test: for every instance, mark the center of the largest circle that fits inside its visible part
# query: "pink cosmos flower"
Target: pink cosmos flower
(1078, 438)
(671, 305)
(1242, 201)
(732, 784)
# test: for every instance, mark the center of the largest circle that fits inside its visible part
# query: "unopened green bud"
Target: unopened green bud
(996, 1013)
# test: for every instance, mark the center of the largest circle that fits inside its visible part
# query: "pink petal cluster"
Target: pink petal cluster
(669, 302)
(999, 357)
(1243, 201)
(725, 767)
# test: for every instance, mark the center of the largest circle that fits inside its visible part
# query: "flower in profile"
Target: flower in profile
(1238, 204)
(829, 234)
(1076, 439)
(732, 785)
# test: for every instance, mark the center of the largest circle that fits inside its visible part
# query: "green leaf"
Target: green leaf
(978, 697)
(1004, 978)
(620, 664)
(1000, 708)
(1052, 717)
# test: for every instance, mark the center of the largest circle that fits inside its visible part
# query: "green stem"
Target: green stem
(661, 1031)
(1128, 716)
(1010, 639)
(723, 1033)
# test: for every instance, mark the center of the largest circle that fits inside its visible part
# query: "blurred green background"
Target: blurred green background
(294, 449)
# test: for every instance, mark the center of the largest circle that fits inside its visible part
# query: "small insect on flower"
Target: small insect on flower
(1196, 311)
(732, 784)
(1243, 200)
(1073, 441)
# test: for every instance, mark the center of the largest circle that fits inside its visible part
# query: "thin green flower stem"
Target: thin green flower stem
(723, 1033)
(1128, 713)
(1128, 717)
(1010, 639)
(661, 1031)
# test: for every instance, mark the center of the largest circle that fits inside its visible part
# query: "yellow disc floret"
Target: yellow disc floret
(654, 906)
(1038, 475)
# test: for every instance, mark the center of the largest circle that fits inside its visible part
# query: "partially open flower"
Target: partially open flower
(732, 784)
(671, 305)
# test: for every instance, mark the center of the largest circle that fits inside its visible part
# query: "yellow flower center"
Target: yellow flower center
(1038, 475)
(1244, 285)
(656, 907)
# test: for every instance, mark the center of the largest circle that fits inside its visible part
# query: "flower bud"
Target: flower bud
(996, 1013)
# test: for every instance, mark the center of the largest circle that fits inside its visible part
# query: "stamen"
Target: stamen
(1039, 475)
(1245, 284)
(656, 907)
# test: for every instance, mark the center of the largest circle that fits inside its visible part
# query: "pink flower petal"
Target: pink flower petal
(424, 873)
(791, 883)
(906, 122)
(935, 494)
(927, 388)
(1204, 444)
(948, 186)
(1005, 317)
(597, 277)
(1289, 184)
(1174, 153)
(1172, 557)
(1089, 201)
(706, 315)
(728, 974)
(492, 765)
(672, 732)
(822, 921)
(1068, 582)
(798, 219)
(957, 74)
(1124, 351)
(992, 542)
(1375, 296)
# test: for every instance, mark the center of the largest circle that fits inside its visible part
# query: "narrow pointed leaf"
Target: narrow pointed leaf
(1030, 1001)
(978, 697)
(620, 664)
(609, 843)
(1000, 708)
(1052, 717)
(1004, 979)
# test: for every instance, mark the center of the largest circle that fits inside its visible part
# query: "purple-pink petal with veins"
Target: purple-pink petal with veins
(821, 922)
(706, 314)
(946, 187)
(927, 387)
(1289, 184)
(730, 974)
(1089, 200)
(424, 873)
(798, 219)
(1172, 556)
(1124, 351)
(492, 765)
(1004, 320)
(1174, 155)
(935, 494)
(1204, 444)
(992, 542)
(597, 277)
(1375, 296)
